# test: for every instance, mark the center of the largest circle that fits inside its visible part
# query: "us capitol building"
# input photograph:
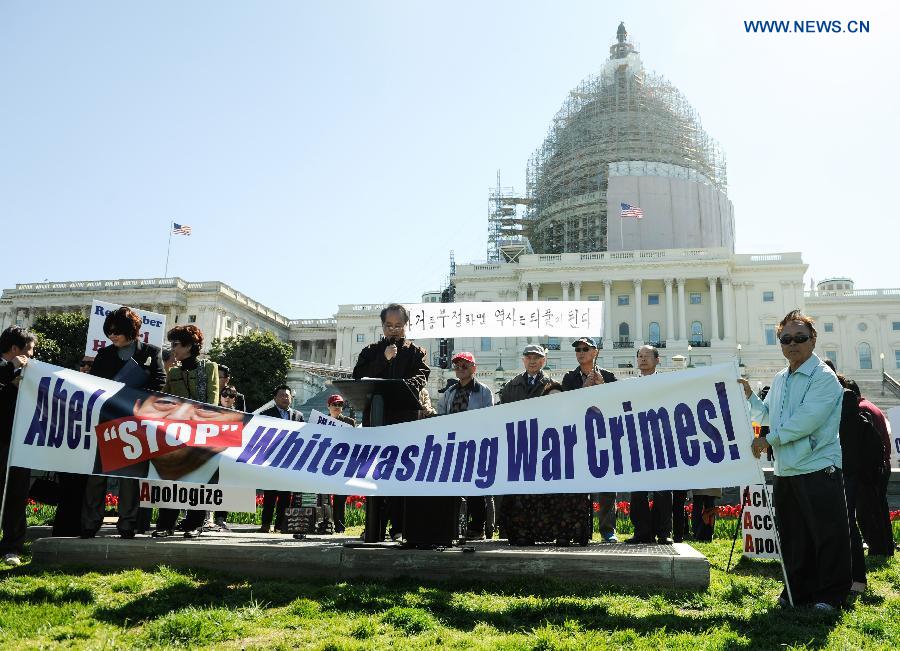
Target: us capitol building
(671, 279)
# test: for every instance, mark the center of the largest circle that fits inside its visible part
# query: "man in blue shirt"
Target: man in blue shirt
(803, 412)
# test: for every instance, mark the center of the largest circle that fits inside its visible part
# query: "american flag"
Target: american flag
(184, 229)
(631, 211)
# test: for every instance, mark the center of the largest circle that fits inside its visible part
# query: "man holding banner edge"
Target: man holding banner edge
(803, 411)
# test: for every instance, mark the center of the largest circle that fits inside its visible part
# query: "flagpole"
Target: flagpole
(168, 249)
(621, 233)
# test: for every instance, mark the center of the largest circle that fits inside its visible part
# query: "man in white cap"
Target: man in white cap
(531, 383)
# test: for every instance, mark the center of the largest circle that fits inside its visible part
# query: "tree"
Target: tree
(69, 331)
(259, 362)
(47, 350)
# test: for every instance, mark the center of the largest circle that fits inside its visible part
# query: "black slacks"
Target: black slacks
(811, 516)
(651, 523)
(15, 524)
(275, 502)
(874, 515)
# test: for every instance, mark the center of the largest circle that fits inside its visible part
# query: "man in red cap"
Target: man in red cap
(467, 394)
(335, 405)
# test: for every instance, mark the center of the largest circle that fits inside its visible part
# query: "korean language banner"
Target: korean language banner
(505, 319)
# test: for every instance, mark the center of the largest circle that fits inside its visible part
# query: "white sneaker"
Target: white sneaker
(823, 607)
(12, 559)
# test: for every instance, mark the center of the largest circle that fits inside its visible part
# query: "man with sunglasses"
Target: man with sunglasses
(393, 357)
(588, 374)
(467, 394)
(803, 411)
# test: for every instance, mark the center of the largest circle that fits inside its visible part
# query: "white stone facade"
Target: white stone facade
(723, 305)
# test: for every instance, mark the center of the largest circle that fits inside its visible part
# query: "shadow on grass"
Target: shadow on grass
(554, 603)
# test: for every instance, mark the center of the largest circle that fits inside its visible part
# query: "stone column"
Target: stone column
(607, 316)
(728, 309)
(713, 309)
(846, 355)
(565, 289)
(535, 291)
(670, 312)
(638, 337)
(523, 292)
(577, 285)
(682, 322)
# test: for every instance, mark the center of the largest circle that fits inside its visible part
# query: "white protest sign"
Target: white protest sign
(316, 417)
(153, 327)
(505, 319)
(757, 525)
(893, 415)
(175, 495)
(669, 431)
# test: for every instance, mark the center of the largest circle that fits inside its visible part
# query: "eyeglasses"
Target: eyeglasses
(462, 367)
(797, 339)
(581, 350)
(336, 404)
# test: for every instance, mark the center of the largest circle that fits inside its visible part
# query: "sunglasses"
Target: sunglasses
(581, 350)
(336, 404)
(229, 395)
(797, 339)
(462, 366)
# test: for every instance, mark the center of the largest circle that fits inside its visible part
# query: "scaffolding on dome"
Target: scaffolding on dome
(624, 114)
(507, 222)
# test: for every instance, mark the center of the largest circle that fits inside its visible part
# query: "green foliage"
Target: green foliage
(47, 350)
(69, 331)
(259, 362)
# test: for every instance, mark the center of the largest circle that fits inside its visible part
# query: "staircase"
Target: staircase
(885, 395)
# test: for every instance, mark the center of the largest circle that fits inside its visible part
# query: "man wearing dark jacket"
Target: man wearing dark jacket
(587, 375)
(394, 357)
(16, 348)
(277, 501)
(532, 382)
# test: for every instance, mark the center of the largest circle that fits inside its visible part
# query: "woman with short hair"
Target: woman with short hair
(138, 365)
(195, 379)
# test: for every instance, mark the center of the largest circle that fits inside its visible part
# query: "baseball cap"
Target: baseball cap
(534, 349)
(469, 357)
(335, 398)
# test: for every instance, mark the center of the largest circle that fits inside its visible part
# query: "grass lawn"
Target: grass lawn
(175, 608)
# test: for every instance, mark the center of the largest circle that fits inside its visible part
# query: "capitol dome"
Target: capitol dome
(627, 136)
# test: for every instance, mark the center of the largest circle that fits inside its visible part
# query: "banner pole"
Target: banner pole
(168, 250)
(787, 585)
(738, 527)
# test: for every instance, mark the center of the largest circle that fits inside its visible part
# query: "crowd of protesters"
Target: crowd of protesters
(830, 446)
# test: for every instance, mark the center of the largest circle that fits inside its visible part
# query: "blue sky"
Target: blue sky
(330, 153)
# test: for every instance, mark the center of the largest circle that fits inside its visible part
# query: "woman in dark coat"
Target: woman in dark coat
(137, 365)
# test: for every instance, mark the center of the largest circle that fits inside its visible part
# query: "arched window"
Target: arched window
(696, 332)
(865, 355)
(654, 333)
(624, 332)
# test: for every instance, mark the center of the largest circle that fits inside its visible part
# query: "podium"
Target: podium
(377, 395)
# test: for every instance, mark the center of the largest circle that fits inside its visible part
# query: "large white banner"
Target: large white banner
(153, 327)
(505, 319)
(893, 415)
(191, 497)
(668, 431)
